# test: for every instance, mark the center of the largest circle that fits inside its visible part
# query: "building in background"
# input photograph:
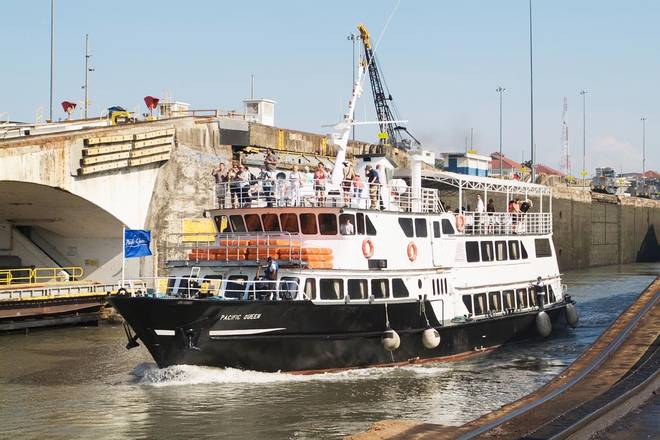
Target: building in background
(467, 163)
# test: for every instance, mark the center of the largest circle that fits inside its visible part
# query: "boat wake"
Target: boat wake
(149, 374)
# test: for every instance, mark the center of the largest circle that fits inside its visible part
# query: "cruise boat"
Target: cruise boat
(386, 277)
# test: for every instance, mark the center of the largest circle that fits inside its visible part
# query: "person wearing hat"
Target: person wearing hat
(374, 183)
(347, 182)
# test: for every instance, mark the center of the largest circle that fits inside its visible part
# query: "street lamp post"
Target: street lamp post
(643, 119)
(500, 90)
(353, 38)
(583, 93)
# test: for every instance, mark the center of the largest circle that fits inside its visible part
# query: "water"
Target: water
(82, 383)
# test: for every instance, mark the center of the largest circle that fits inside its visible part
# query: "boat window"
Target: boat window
(332, 288)
(514, 253)
(521, 296)
(359, 223)
(467, 300)
(542, 246)
(399, 289)
(472, 251)
(509, 300)
(436, 229)
(532, 297)
(380, 288)
(357, 289)
(480, 304)
(308, 224)
(289, 287)
(289, 222)
(494, 302)
(371, 230)
(271, 222)
(406, 226)
(486, 251)
(221, 223)
(500, 250)
(253, 223)
(210, 285)
(347, 224)
(235, 286)
(447, 227)
(523, 251)
(237, 224)
(420, 227)
(310, 288)
(546, 295)
(328, 224)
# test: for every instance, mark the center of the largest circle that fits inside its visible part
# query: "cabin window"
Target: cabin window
(523, 251)
(289, 287)
(380, 288)
(221, 223)
(310, 288)
(235, 287)
(253, 223)
(271, 222)
(542, 246)
(347, 224)
(467, 300)
(237, 224)
(210, 284)
(447, 227)
(371, 230)
(332, 288)
(436, 229)
(532, 297)
(399, 289)
(328, 224)
(359, 223)
(289, 222)
(357, 289)
(521, 296)
(472, 251)
(494, 302)
(514, 250)
(406, 226)
(308, 224)
(420, 228)
(509, 300)
(486, 251)
(480, 304)
(500, 250)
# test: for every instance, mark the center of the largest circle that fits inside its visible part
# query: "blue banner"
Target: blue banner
(136, 243)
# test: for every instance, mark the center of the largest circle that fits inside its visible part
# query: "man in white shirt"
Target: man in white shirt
(481, 209)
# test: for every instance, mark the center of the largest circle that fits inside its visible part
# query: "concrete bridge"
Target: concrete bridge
(64, 197)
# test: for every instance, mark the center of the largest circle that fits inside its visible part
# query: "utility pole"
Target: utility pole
(531, 95)
(252, 86)
(643, 119)
(583, 93)
(471, 140)
(353, 38)
(500, 90)
(52, 54)
(87, 70)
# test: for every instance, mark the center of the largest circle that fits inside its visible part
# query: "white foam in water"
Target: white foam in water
(150, 374)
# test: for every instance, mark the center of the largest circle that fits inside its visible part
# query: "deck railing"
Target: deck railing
(40, 275)
(285, 193)
(57, 291)
(506, 223)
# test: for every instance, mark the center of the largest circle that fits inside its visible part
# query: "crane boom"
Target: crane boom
(394, 133)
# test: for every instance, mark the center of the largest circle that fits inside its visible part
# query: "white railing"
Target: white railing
(506, 223)
(285, 193)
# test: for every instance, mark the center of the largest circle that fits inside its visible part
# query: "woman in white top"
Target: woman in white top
(295, 178)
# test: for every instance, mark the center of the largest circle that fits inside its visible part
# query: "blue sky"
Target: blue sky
(442, 61)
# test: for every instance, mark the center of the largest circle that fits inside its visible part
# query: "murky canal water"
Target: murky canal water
(82, 383)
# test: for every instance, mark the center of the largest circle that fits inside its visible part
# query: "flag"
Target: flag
(136, 243)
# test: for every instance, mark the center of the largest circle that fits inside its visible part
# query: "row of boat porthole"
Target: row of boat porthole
(391, 340)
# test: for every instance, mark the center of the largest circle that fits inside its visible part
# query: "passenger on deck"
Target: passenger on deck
(320, 177)
(490, 207)
(479, 219)
(382, 179)
(358, 186)
(271, 161)
(295, 179)
(347, 182)
(539, 292)
(220, 176)
(234, 184)
(374, 182)
(267, 186)
(347, 228)
(243, 179)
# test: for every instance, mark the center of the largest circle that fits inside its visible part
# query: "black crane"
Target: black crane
(395, 135)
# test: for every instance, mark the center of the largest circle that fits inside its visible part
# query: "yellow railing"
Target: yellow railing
(40, 275)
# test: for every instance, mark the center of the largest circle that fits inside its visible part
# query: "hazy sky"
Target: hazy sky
(441, 59)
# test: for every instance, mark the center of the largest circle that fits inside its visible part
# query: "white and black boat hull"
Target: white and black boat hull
(301, 336)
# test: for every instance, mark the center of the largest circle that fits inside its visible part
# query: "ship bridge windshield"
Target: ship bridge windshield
(305, 223)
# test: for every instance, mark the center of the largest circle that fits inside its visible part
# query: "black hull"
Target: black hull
(301, 336)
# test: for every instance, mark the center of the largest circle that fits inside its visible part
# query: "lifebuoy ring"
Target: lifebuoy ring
(460, 222)
(122, 292)
(367, 248)
(412, 251)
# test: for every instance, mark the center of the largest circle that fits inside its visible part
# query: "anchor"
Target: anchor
(132, 339)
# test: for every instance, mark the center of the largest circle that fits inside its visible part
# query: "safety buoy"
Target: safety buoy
(412, 251)
(390, 340)
(430, 338)
(367, 248)
(543, 324)
(572, 315)
(460, 222)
